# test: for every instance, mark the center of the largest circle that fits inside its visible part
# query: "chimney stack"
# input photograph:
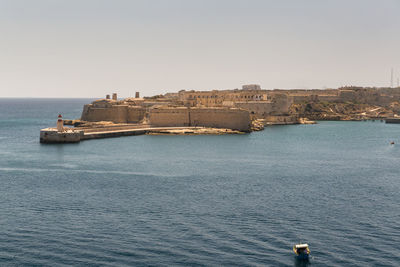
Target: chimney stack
(114, 96)
(137, 95)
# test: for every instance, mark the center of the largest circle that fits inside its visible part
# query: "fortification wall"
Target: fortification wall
(135, 114)
(258, 108)
(115, 113)
(169, 117)
(281, 104)
(236, 119)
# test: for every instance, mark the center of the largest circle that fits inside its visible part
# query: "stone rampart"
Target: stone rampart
(235, 119)
(281, 104)
(169, 116)
(258, 108)
(135, 114)
(113, 113)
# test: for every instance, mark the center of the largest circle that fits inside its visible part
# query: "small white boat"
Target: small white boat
(302, 251)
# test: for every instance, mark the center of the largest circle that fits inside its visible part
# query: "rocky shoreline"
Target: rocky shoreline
(341, 111)
(197, 131)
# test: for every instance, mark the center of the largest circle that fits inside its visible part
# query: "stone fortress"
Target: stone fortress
(242, 110)
(237, 108)
(232, 109)
(161, 112)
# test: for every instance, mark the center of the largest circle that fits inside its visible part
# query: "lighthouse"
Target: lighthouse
(60, 124)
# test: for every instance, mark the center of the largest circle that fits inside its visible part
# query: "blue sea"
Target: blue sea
(232, 200)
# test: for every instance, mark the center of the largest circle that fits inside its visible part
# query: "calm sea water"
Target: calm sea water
(234, 200)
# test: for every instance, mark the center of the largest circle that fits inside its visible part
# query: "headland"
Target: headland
(224, 111)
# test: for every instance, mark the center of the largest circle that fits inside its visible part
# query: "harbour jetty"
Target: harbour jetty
(71, 135)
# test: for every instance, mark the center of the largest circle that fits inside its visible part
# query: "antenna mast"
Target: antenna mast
(391, 78)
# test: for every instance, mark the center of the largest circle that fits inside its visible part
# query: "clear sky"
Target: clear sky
(88, 48)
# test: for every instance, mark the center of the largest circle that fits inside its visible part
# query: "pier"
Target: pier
(75, 135)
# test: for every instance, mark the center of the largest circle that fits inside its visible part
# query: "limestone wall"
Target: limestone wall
(169, 116)
(236, 119)
(115, 113)
(258, 108)
(135, 114)
(281, 104)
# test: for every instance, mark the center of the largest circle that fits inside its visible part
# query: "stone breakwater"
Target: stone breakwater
(52, 135)
(74, 135)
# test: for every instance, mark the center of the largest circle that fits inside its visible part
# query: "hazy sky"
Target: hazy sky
(87, 48)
